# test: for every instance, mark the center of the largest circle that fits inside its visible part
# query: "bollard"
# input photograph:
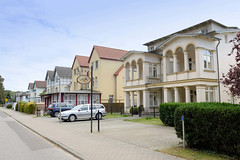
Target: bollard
(154, 112)
(183, 128)
(111, 109)
(140, 111)
(132, 111)
(98, 121)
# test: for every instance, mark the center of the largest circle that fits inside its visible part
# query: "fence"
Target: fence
(114, 107)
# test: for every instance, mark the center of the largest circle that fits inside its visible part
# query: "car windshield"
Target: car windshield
(76, 108)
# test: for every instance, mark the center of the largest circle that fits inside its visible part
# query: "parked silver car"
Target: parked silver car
(84, 112)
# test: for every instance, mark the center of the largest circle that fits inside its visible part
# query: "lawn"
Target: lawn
(191, 154)
(116, 115)
(146, 120)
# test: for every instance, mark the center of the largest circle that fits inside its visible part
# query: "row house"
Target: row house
(70, 92)
(108, 73)
(80, 67)
(22, 96)
(30, 92)
(180, 67)
(38, 88)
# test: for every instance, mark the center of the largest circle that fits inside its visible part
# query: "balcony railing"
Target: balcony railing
(155, 79)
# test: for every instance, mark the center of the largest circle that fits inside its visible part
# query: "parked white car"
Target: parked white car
(84, 112)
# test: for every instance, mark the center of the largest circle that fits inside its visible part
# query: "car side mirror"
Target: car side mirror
(79, 110)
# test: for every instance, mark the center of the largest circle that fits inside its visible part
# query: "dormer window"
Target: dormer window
(152, 48)
(204, 31)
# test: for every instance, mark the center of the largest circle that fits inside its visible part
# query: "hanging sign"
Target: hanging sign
(83, 79)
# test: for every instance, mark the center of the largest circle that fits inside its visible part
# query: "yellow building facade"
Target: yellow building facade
(79, 67)
(108, 73)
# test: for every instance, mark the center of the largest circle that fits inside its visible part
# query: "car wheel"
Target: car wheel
(56, 114)
(100, 116)
(72, 118)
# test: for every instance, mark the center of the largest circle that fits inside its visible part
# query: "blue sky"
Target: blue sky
(37, 35)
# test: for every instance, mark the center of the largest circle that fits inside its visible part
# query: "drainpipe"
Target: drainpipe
(115, 76)
(219, 93)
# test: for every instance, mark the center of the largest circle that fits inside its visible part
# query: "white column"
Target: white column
(176, 94)
(131, 73)
(187, 94)
(186, 63)
(216, 96)
(138, 71)
(125, 75)
(145, 71)
(174, 63)
(165, 95)
(164, 69)
(201, 96)
(146, 100)
(132, 98)
(126, 101)
(138, 98)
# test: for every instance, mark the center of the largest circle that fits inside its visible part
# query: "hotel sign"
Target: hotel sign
(83, 79)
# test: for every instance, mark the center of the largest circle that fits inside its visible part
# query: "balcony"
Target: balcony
(154, 79)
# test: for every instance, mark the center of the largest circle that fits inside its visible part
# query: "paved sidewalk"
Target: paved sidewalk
(118, 140)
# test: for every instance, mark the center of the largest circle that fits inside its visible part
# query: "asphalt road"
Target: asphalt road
(20, 143)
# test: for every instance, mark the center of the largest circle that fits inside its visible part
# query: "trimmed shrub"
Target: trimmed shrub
(166, 112)
(9, 106)
(20, 105)
(30, 108)
(135, 110)
(210, 126)
(16, 107)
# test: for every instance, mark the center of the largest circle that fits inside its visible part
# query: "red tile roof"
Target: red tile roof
(40, 84)
(108, 53)
(82, 60)
(118, 71)
(30, 86)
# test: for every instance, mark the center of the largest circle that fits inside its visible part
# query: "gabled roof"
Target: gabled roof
(63, 71)
(39, 84)
(137, 52)
(50, 74)
(199, 35)
(82, 61)
(118, 71)
(108, 53)
(30, 86)
(189, 29)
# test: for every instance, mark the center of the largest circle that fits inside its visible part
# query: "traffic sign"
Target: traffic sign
(182, 118)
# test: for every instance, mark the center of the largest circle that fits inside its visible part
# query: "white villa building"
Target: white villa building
(180, 67)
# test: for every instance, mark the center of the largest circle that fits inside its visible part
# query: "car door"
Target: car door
(83, 112)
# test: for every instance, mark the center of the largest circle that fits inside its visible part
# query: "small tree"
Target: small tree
(232, 78)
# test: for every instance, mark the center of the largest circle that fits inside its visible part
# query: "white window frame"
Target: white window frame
(153, 72)
(208, 91)
(206, 58)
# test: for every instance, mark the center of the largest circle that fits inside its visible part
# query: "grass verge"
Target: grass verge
(192, 154)
(146, 120)
(116, 115)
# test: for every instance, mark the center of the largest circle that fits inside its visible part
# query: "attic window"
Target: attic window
(152, 48)
(204, 31)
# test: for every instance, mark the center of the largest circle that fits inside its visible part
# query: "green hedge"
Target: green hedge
(166, 111)
(135, 110)
(9, 106)
(25, 107)
(211, 126)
